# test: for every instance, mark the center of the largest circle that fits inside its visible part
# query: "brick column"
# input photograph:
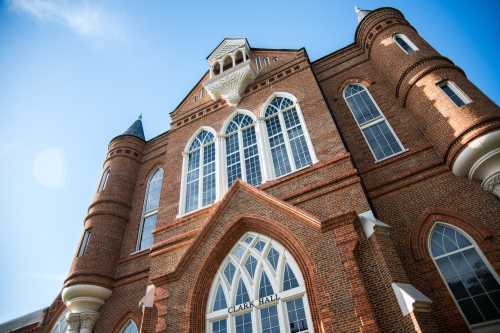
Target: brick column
(347, 239)
(411, 308)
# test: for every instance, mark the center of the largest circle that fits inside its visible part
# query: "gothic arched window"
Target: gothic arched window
(381, 139)
(200, 178)
(130, 327)
(288, 144)
(258, 288)
(151, 205)
(474, 286)
(242, 153)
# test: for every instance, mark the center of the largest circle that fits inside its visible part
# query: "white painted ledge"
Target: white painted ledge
(410, 298)
(369, 223)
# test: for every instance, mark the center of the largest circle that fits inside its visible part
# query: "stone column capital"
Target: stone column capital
(73, 322)
(87, 321)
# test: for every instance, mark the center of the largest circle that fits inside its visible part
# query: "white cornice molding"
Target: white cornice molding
(369, 223)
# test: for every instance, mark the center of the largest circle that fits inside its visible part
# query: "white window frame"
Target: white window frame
(260, 149)
(145, 214)
(407, 40)
(218, 181)
(475, 327)
(60, 326)
(104, 180)
(267, 151)
(373, 122)
(459, 92)
(252, 284)
(84, 242)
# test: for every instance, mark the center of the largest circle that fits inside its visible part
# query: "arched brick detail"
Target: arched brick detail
(124, 319)
(420, 234)
(199, 296)
(340, 91)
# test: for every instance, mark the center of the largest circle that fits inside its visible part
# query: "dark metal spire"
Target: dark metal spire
(136, 129)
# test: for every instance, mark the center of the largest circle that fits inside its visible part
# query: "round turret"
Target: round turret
(90, 281)
(454, 115)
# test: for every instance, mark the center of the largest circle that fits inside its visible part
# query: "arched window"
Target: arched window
(216, 69)
(468, 275)
(405, 44)
(258, 288)
(454, 93)
(289, 148)
(130, 327)
(104, 180)
(200, 177)
(376, 130)
(151, 205)
(242, 154)
(60, 326)
(227, 64)
(238, 57)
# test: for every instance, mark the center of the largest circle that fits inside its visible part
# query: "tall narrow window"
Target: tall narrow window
(286, 137)
(61, 325)
(104, 180)
(257, 298)
(376, 130)
(130, 327)
(454, 93)
(242, 154)
(200, 175)
(405, 44)
(469, 277)
(84, 243)
(151, 206)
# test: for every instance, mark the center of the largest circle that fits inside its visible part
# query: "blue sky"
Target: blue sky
(73, 74)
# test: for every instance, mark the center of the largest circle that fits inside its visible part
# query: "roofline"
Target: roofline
(123, 136)
(275, 50)
(222, 41)
(189, 93)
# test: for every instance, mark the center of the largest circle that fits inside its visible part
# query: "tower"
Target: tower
(89, 283)
(462, 123)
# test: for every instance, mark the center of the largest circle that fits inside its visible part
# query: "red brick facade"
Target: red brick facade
(314, 212)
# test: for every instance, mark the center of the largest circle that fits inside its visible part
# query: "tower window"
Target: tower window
(150, 212)
(84, 243)
(472, 282)
(286, 136)
(242, 154)
(104, 180)
(405, 44)
(130, 327)
(381, 139)
(200, 177)
(455, 94)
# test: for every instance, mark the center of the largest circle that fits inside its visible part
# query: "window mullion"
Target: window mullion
(242, 155)
(284, 130)
(200, 176)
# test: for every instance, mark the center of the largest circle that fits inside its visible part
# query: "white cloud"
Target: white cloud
(49, 168)
(83, 17)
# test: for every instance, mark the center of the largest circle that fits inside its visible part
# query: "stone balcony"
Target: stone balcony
(230, 84)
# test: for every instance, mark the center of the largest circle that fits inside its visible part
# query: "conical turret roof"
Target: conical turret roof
(135, 130)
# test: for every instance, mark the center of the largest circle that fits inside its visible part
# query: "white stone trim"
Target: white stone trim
(369, 223)
(480, 160)
(410, 298)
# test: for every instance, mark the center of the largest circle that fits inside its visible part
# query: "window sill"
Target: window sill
(391, 156)
(138, 252)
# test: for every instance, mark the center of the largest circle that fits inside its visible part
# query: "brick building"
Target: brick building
(356, 193)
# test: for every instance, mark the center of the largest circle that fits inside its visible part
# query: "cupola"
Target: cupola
(231, 70)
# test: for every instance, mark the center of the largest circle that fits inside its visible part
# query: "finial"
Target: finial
(356, 9)
(140, 116)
